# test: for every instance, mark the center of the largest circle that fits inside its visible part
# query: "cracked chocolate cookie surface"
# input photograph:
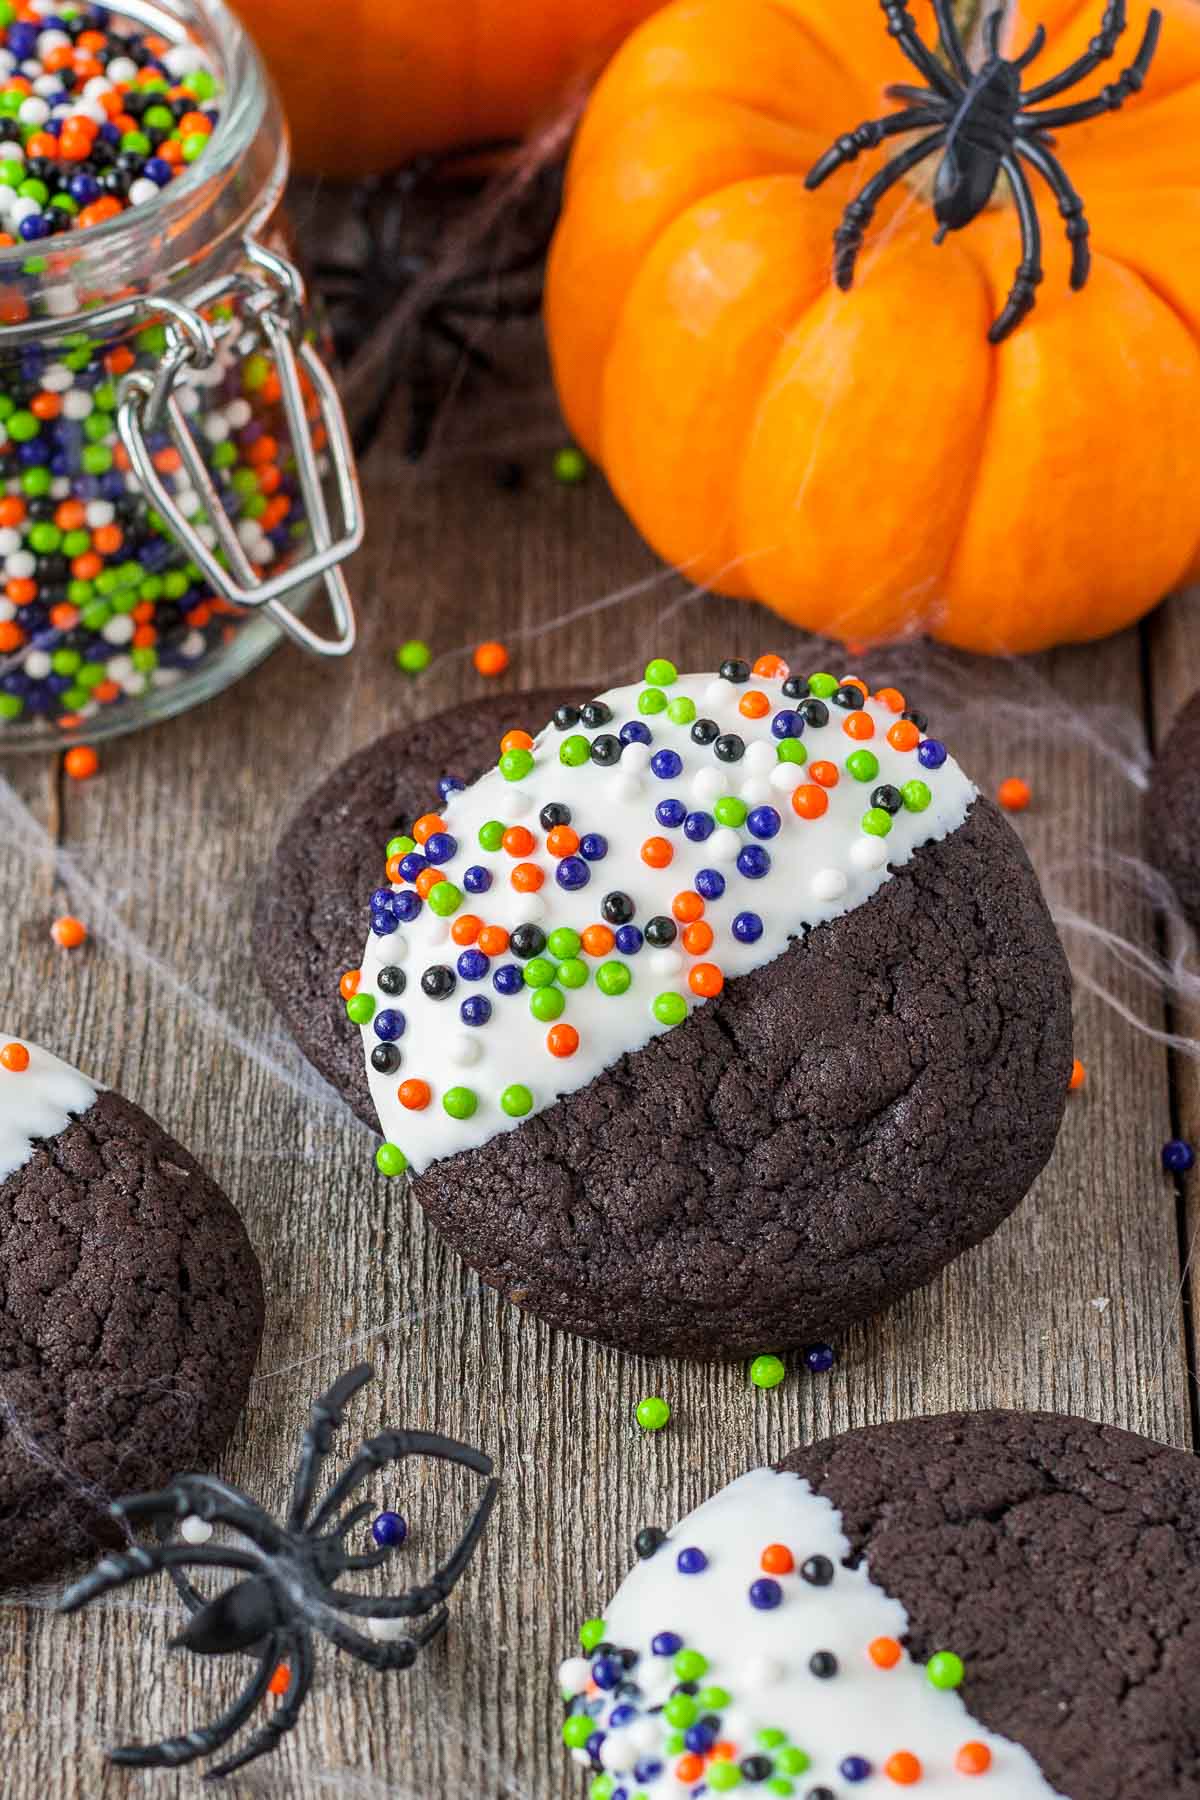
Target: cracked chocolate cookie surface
(1171, 838)
(131, 1309)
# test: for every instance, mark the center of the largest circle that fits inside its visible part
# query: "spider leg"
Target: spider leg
(848, 237)
(440, 327)
(394, 1446)
(1037, 44)
(381, 1653)
(1070, 205)
(1102, 46)
(354, 1517)
(171, 1753)
(317, 1442)
(440, 1585)
(296, 1646)
(951, 39)
(1023, 293)
(1128, 83)
(903, 28)
(209, 1499)
(869, 136)
(130, 1565)
(993, 25)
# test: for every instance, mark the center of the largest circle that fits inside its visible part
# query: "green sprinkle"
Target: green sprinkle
(33, 189)
(390, 1159)
(74, 698)
(674, 1743)
(791, 750)
(591, 1633)
(515, 765)
(670, 1009)
(160, 117)
(652, 1414)
(767, 1371)
(194, 145)
(681, 1711)
(256, 372)
(95, 459)
(65, 662)
(574, 751)
(601, 1788)
(202, 83)
(863, 765)
(10, 706)
(36, 481)
(459, 1102)
(822, 686)
(563, 942)
(491, 835)
(23, 426)
(516, 1101)
(652, 700)
(361, 1008)
(570, 466)
(681, 711)
(539, 972)
(613, 978)
(690, 1665)
(779, 1784)
(547, 1004)
(729, 810)
(877, 821)
(138, 144)
(723, 1776)
(792, 1760)
(11, 174)
(77, 543)
(916, 796)
(399, 846)
(712, 1699)
(45, 538)
(96, 614)
(175, 584)
(577, 1730)
(660, 672)
(444, 899)
(572, 973)
(944, 1669)
(770, 1737)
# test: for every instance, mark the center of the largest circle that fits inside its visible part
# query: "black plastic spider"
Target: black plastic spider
(289, 1592)
(984, 124)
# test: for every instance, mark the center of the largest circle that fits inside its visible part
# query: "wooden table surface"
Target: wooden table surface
(1079, 1303)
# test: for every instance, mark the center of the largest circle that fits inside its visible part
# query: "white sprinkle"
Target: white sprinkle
(119, 630)
(164, 678)
(239, 414)
(707, 786)
(617, 1753)
(10, 541)
(464, 1051)
(756, 792)
(786, 777)
(37, 665)
(828, 884)
(100, 512)
(20, 565)
(387, 1631)
(216, 425)
(120, 69)
(723, 845)
(635, 758)
(574, 1674)
(760, 757)
(869, 853)
(194, 1530)
(719, 692)
(143, 190)
(33, 111)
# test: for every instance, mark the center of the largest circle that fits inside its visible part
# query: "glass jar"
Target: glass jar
(171, 445)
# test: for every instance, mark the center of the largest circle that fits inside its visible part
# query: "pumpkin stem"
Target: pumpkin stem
(970, 16)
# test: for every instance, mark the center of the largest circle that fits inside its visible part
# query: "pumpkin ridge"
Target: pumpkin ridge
(954, 538)
(1152, 287)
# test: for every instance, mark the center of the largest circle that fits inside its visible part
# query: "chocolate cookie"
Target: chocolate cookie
(738, 1061)
(131, 1310)
(1171, 805)
(1009, 1595)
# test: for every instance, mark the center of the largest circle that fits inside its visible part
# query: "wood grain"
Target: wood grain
(1074, 1304)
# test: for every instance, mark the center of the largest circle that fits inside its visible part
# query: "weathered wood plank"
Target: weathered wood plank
(172, 837)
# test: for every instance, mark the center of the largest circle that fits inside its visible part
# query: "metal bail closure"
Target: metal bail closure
(273, 297)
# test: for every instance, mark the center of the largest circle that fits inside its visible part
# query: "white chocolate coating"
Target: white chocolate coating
(37, 1102)
(820, 868)
(761, 1659)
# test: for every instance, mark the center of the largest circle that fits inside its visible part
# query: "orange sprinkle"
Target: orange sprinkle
(527, 878)
(493, 940)
(518, 841)
(70, 515)
(825, 773)
(1078, 1075)
(771, 668)
(706, 980)
(903, 1768)
(14, 1058)
(809, 802)
(348, 985)
(64, 616)
(106, 691)
(859, 725)
(690, 1767)
(892, 698)
(87, 566)
(903, 735)
(392, 868)
(107, 539)
(687, 906)
(81, 762)
(754, 705)
(490, 658)
(144, 636)
(269, 480)
(11, 636)
(973, 1759)
(68, 932)
(884, 1652)
(466, 928)
(657, 853)
(413, 1094)
(598, 940)
(168, 460)
(120, 360)
(697, 938)
(1014, 794)
(45, 406)
(516, 740)
(562, 840)
(41, 144)
(21, 590)
(12, 509)
(280, 1681)
(777, 1559)
(723, 1751)
(426, 825)
(855, 681)
(562, 1040)
(428, 878)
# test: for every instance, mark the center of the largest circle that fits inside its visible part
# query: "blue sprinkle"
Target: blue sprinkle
(854, 1768)
(699, 1738)
(753, 862)
(698, 826)
(476, 879)
(1178, 1156)
(508, 979)
(629, 940)
(666, 1643)
(691, 1561)
(607, 1672)
(787, 724)
(667, 764)
(383, 924)
(710, 884)
(670, 813)
(765, 1594)
(473, 965)
(572, 872)
(412, 864)
(381, 900)
(593, 1745)
(747, 927)
(646, 1771)
(405, 907)
(389, 1529)
(761, 822)
(594, 847)
(820, 1357)
(931, 754)
(449, 784)
(440, 847)
(389, 1024)
(621, 1715)
(475, 1011)
(636, 733)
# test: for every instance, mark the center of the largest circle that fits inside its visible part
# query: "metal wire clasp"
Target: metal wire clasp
(272, 296)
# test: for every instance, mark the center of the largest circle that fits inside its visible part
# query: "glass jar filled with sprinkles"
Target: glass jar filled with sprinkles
(176, 481)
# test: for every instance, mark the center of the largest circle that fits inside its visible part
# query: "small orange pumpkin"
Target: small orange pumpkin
(867, 462)
(416, 75)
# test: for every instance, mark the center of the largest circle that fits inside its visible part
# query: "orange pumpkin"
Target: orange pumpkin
(415, 75)
(867, 462)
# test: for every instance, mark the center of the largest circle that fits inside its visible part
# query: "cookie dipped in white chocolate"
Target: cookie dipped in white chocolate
(612, 873)
(39, 1096)
(793, 1673)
